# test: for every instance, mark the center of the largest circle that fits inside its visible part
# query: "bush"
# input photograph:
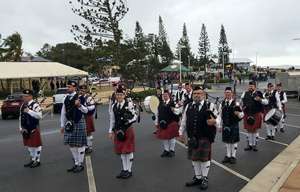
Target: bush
(143, 94)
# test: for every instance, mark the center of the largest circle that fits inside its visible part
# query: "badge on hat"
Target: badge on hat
(251, 83)
(72, 83)
(28, 91)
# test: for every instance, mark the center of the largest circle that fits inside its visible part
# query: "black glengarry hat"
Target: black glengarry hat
(72, 83)
(228, 88)
(197, 87)
(28, 91)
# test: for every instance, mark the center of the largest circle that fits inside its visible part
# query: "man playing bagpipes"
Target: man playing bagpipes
(121, 132)
(283, 101)
(229, 119)
(252, 102)
(89, 118)
(73, 125)
(113, 98)
(201, 124)
(166, 122)
(30, 113)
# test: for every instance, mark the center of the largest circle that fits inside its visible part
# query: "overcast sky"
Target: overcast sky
(264, 26)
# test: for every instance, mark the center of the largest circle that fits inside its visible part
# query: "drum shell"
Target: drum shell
(274, 117)
(151, 103)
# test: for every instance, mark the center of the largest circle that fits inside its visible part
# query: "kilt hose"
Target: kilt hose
(34, 139)
(283, 110)
(78, 136)
(265, 113)
(233, 136)
(127, 146)
(257, 124)
(170, 132)
(202, 153)
(89, 121)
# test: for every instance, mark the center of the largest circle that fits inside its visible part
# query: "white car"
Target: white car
(91, 79)
(58, 97)
(105, 82)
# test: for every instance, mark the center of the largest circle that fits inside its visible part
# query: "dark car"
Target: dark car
(11, 105)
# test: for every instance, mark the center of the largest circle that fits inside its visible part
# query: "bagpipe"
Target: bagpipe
(136, 103)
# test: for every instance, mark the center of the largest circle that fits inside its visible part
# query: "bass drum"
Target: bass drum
(274, 116)
(151, 103)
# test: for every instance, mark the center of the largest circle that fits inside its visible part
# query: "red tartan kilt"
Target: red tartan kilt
(127, 146)
(257, 124)
(90, 125)
(170, 132)
(265, 113)
(34, 139)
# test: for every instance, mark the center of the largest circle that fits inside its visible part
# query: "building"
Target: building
(32, 59)
(234, 63)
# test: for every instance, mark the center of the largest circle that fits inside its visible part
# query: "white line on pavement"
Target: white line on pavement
(292, 114)
(46, 114)
(292, 107)
(268, 140)
(222, 166)
(291, 125)
(90, 174)
(50, 132)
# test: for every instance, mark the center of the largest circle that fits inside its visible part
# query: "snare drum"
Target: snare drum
(274, 116)
(150, 104)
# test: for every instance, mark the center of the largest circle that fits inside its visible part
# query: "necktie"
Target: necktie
(227, 103)
(197, 107)
(119, 107)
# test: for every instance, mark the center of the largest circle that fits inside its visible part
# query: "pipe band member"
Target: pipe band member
(121, 132)
(274, 102)
(30, 113)
(283, 101)
(113, 98)
(166, 122)
(229, 119)
(89, 118)
(252, 102)
(73, 125)
(201, 131)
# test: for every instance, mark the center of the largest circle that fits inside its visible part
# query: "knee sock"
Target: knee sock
(32, 153)
(38, 153)
(89, 141)
(197, 169)
(233, 149)
(281, 123)
(81, 151)
(255, 138)
(268, 129)
(124, 161)
(205, 168)
(172, 144)
(228, 148)
(272, 128)
(166, 144)
(249, 138)
(129, 158)
(75, 155)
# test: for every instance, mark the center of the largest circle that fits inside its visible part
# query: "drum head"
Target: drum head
(154, 102)
(270, 114)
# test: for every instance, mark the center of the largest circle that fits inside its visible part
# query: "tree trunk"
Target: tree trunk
(2, 85)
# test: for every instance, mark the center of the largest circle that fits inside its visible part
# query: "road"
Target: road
(150, 171)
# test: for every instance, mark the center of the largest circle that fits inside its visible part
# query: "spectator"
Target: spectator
(232, 79)
(52, 87)
(218, 79)
(57, 84)
(240, 79)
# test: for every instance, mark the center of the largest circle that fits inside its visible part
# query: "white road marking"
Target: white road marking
(291, 125)
(46, 114)
(292, 107)
(90, 174)
(292, 114)
(268, 140)
(222, 166)
(50, 132)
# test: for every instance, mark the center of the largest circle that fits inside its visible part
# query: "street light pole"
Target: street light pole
(189, 61)
(256, 62)
(180, 62)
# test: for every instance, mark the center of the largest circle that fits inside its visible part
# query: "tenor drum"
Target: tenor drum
(151, 103)
(274, 116)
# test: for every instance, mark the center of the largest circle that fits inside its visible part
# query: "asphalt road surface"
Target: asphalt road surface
(150, 171)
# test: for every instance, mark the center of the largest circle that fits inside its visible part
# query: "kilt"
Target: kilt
(234, 135)
(202, 153)
(170, 132)
(257, 124)
(34, 139)
(265, 113)
(89, 121)
(78, 136)
(127, 146)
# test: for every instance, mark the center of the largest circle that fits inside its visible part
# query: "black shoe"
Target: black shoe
(249, 147)
(272, 138)
(121, 174)
(78, 168)
(88, 150)
(268, 137)
(204, 183)
(226, 159)
(72, 168)
(165, 154)
(232, 160)
(154, 132)
(255, 148)
(281, 130)
(171, 153)
(126, 175)
(35, 164)
(28, 164)
(193, 182)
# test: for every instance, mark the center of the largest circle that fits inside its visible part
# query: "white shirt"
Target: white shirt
(189, 95)
(112, 116)
(176, 111)
(89, 103)
(63, 118)
(277, 99)
(182, 128)
(241, 115)
(35, 112)
(284, 97)
(264, 101)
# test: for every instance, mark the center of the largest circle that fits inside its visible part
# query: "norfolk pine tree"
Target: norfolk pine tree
(185, 47)
(223, 47)
(204, 46)
(163, 45)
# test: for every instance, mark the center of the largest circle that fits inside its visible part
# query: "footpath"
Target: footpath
(281, 174)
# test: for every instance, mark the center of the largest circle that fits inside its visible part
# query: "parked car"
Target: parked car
(175, 89)
(58, 98)
(91, 79)
(105, 82)
(11, 105)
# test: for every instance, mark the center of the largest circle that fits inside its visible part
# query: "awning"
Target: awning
(16, 70)
(175, 67)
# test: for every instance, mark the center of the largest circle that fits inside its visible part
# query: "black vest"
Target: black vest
(272, 100)
(252, 107)
(120, 116)
(281, 96)
(165, 113)
(228, 116)
(27, 121)
(179, 95)
(187, 100)
(196, 123)
(159, 96)
(72, 111)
